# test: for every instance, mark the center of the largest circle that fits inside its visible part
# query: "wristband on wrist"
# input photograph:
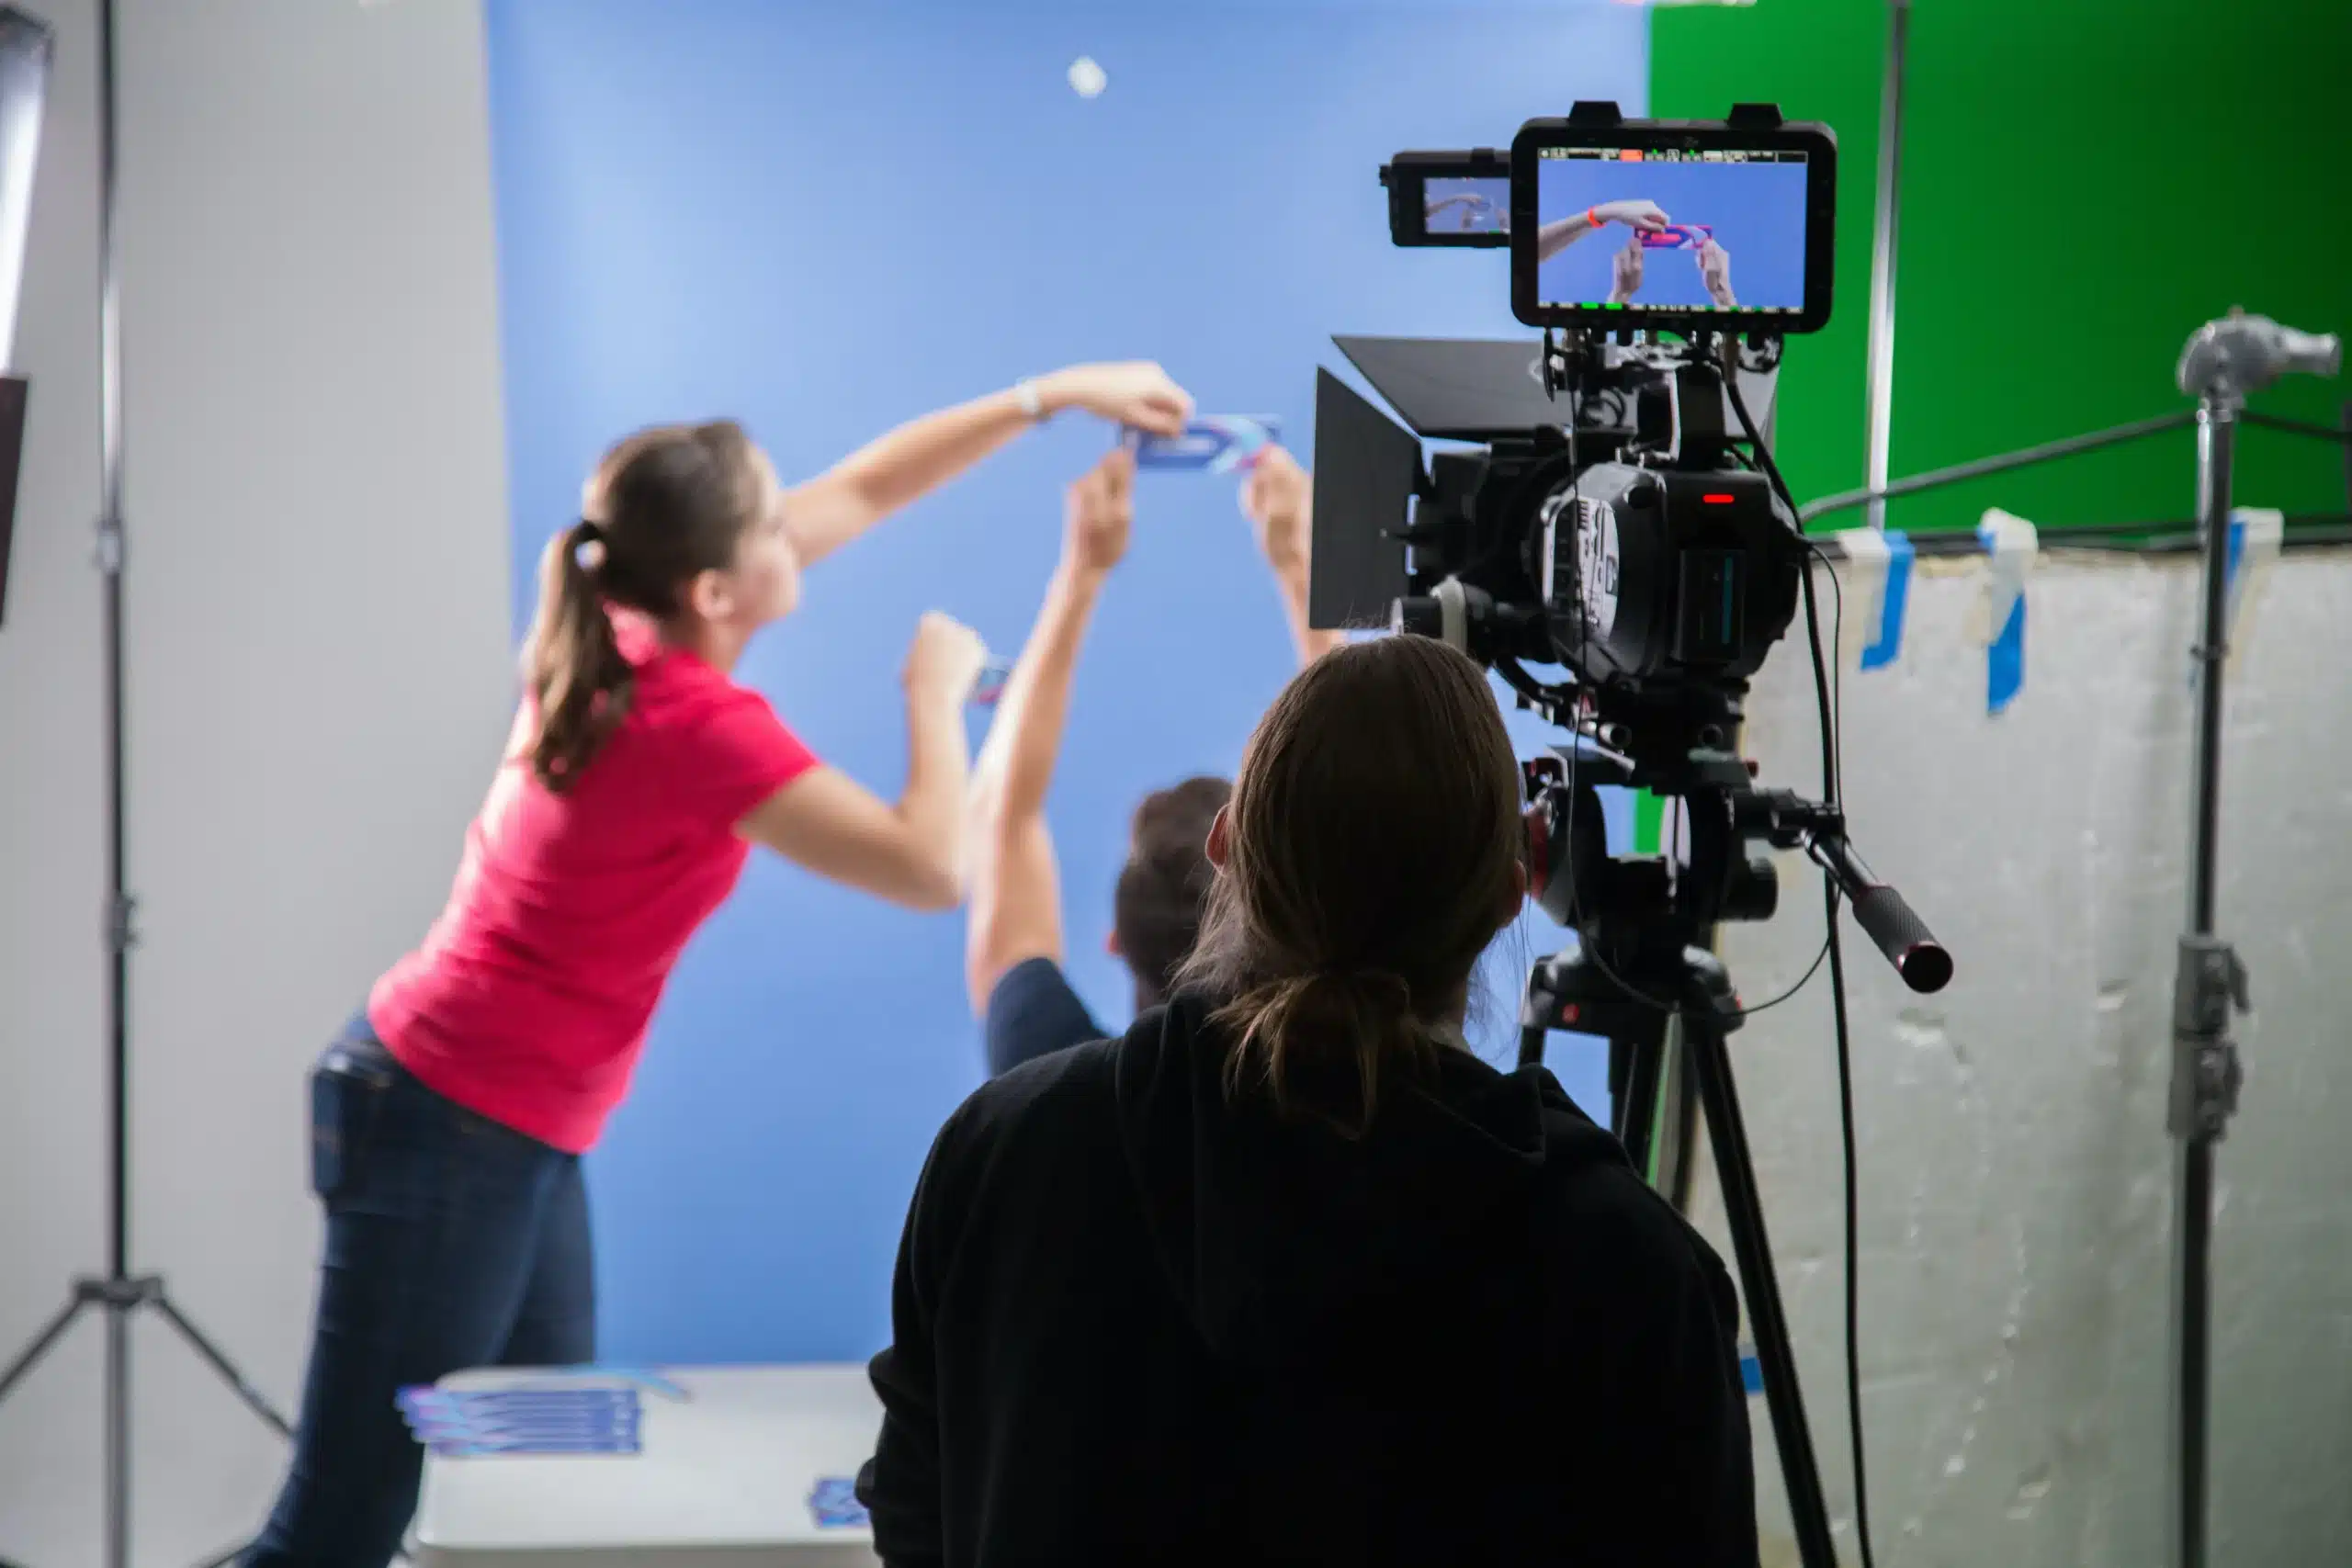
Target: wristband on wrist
(1032, 404)
(1592, 217)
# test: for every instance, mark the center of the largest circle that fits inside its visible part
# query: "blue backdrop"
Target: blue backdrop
(823, 220)
(1756, 210)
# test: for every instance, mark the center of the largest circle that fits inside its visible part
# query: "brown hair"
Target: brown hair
(1156, 911)
(1370, 854)
(663, 506)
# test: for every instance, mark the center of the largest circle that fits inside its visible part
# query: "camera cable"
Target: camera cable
(1832, 746)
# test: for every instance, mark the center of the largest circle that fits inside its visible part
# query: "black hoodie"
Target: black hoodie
(1138, 1321)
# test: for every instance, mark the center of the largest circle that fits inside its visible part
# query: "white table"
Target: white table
(723, 1478)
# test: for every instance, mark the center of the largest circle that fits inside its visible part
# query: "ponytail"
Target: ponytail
(577, 679)
(1322, 1043)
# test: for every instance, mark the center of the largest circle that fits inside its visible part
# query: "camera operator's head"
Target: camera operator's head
(1370, 852)
(1156, 909)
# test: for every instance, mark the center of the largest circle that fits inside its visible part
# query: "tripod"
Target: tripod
(119, 1295)
(1641, 961)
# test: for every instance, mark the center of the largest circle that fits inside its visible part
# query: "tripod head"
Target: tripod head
(1637, 915)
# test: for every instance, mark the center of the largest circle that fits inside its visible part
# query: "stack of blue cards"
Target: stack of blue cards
(523, 1419)
(835, 1504)
(1215, 443)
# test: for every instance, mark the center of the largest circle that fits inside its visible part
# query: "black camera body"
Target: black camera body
(1605, 528)
(1635, 578)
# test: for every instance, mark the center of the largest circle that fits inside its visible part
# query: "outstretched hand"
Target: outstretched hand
(1136, 393)
(1279, 503)
(1714, 271)
(1625, 272)
(945, 659)
(1098, 513)
(1643, 216)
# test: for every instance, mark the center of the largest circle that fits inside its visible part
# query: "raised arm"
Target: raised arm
(910, 852)
(1014, 913)
(1279, 503)
(1560, 233)
(905, 465)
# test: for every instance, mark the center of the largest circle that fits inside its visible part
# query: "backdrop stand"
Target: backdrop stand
(118, 1294)
(1879, 428)
(2224, 362)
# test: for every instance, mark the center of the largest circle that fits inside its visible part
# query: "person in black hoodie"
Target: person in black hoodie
(1286, 1274)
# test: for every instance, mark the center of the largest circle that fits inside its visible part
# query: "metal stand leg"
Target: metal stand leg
(42, 1343)
(117, 1299)
(220, 1363)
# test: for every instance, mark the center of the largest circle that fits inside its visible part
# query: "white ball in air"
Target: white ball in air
(1086, 78)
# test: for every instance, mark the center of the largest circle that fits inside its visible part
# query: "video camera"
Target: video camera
(1608, 503)
(1616, 514)
(1606, 520)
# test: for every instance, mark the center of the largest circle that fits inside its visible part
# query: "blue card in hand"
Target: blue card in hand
(1215, 443)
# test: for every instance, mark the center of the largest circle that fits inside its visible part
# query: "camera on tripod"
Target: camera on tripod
(1616, 514)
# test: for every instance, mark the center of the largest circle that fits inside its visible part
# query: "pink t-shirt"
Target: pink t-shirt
(528, 1002)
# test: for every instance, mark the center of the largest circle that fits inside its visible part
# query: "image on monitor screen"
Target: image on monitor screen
(1467, 206)
(1652, 229)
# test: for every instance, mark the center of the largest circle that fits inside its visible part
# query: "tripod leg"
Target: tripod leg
(1711, 1066)
(1678, 1128)
(220, 1364)
(1635, 1097)
(42, 1343)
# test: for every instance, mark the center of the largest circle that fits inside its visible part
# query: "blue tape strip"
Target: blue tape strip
(2004, 661)
(2232, 588)
(1882, 650)
(1751, 1374)
(2231, 585)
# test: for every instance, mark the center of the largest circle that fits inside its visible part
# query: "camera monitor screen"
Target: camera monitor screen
(1467, 206)
(1632, 227)
(1449, 199)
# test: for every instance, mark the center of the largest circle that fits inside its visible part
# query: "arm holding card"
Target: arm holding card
(1015, 909)
(908, 463)
(1280, 504)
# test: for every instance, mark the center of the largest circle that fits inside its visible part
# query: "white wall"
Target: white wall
(2016, 1175)
(319, 681)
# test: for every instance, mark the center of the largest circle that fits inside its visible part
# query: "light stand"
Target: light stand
(118, 1294)
(2224, 362)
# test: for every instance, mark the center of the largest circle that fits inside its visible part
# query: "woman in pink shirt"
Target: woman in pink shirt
(448, 1122)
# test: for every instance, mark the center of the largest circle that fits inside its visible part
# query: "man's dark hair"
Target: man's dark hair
(1157, 910)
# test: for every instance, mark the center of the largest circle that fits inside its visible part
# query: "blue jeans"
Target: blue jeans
(451, 1242)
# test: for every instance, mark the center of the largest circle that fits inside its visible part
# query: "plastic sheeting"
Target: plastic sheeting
(2017, 1176)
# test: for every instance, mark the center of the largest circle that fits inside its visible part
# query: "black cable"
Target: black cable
(1832, 744)
(1853, 1206)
